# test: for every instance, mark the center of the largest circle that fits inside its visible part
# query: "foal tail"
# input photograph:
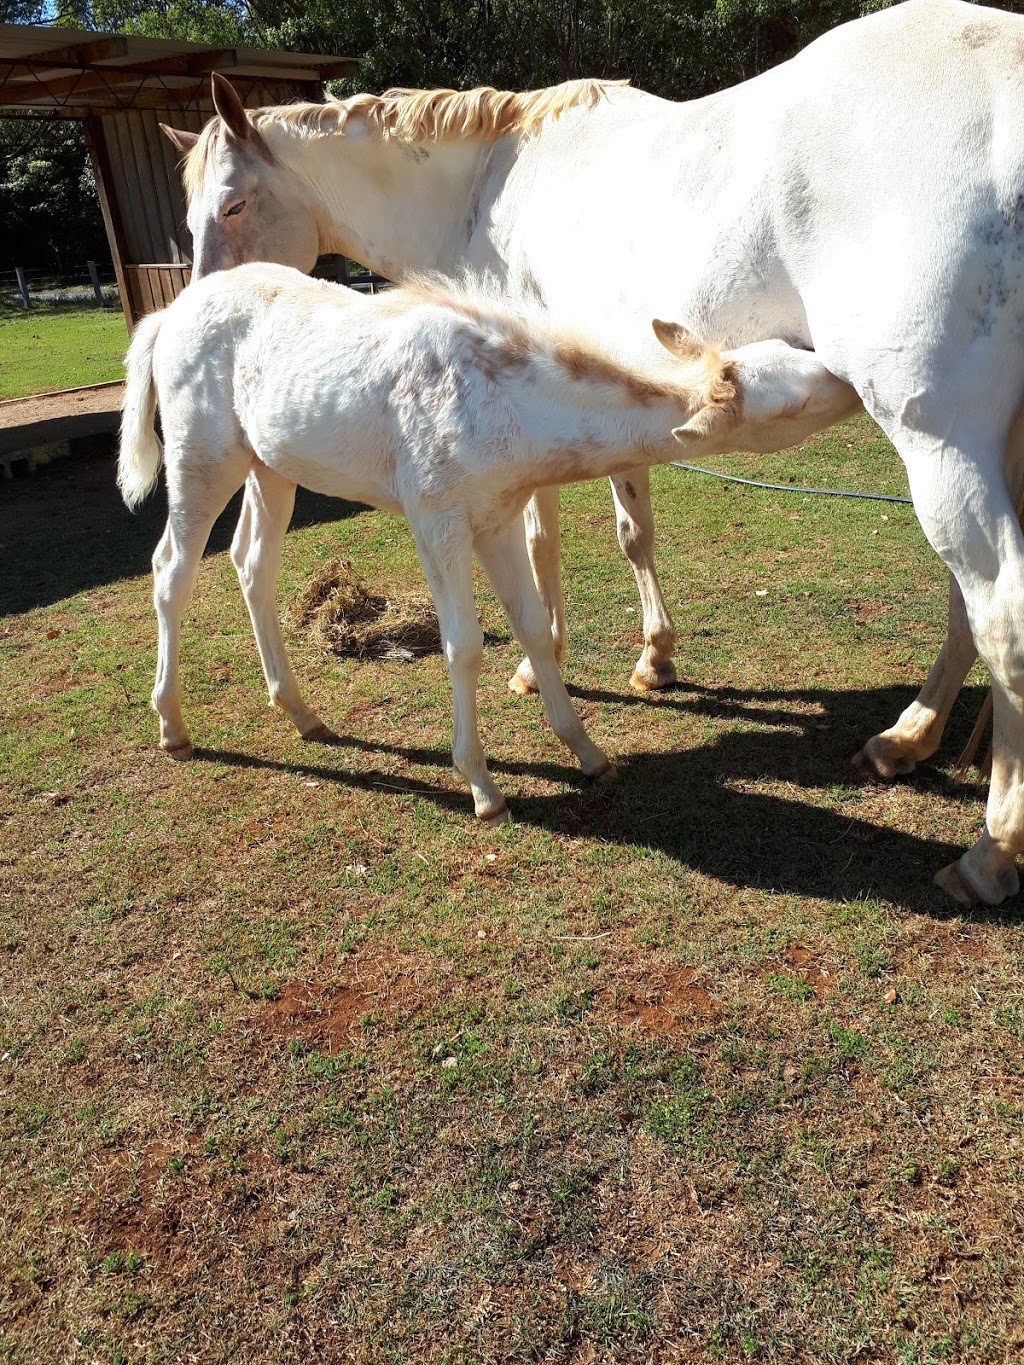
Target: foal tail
(141, 454)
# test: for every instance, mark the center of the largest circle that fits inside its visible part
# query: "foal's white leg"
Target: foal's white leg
(446, 554)
(504, 557)
(256, 554)
(916, 735)
(194, 504)
(543, 536)
(971, 521)
(634, 524)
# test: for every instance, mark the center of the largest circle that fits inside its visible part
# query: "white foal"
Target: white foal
(444, 408)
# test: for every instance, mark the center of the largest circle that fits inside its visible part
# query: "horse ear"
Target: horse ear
(705, 423)
(682, 344)
(182, 139)
(230, 107)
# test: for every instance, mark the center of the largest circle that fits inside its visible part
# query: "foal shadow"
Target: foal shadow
(73, 509)
(706, 808)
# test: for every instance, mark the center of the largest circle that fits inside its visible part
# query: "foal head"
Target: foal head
(781, 395)
(244, 204)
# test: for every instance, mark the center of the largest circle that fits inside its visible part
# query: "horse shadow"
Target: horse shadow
(746, 809)
(65, 530)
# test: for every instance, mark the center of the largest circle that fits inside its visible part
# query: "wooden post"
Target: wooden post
(26, 302)
(94, 275)
(95, 139)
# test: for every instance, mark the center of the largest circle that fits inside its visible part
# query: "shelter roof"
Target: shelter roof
(75, 72)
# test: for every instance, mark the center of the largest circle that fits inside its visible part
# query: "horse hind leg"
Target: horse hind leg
(968, 515)
(634, 524)
(256, 554)
(917, 733)
(543, 539)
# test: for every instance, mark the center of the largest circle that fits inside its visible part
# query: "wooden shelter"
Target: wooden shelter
(122, 87)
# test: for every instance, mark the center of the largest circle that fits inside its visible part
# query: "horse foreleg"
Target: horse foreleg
(503, 555)
(635, 530)
(543, 540)
(916, 735)
(256, 554)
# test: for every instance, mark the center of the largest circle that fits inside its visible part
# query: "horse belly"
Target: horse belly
(322, 443)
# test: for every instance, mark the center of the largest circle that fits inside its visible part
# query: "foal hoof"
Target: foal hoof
(179, 752)
(875, 765)
(606, 774)
(651, 677)
(319, 734)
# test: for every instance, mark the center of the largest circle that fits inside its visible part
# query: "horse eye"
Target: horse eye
(235, 208)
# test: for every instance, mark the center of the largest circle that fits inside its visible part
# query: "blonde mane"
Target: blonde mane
(414, 116)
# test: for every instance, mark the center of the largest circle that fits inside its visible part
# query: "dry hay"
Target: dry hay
(340, 614)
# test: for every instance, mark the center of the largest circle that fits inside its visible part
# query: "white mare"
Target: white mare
(444, 408)
(865, 199)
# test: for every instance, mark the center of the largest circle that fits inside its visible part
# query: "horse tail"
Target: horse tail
(141, 453)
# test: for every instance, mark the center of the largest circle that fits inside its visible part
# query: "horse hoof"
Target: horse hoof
(494, 818)
(646, 678)
(875, 766)
(319, 734)
(521, 686)
(951, 880)
(179, 752)
(606, 774)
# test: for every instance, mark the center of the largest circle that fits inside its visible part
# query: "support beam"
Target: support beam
(96, 142)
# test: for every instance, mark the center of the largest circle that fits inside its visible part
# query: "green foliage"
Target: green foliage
(49, 213)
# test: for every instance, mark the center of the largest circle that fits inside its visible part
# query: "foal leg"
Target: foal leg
(256, 555)
(635, 529)
(504, 557)
(194, 505)
(916, 735)
(543, 536)
(446, 553)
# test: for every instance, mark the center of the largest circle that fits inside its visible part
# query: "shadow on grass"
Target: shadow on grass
(701, 807)
(65, 530)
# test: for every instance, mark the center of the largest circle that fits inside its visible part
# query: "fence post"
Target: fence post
(26, 302)
(94, 275)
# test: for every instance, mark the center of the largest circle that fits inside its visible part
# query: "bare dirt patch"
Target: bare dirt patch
(325, 1019)
(802, 960)
(665, 1004)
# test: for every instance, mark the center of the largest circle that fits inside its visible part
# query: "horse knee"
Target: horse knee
(465, 651)
(635, 540)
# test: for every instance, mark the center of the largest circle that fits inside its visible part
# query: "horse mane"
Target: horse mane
(413, 116)
(439, 115)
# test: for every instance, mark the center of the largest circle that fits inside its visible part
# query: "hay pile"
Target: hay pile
(342, 616)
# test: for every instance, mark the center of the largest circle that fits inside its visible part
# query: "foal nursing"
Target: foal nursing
(444, 407)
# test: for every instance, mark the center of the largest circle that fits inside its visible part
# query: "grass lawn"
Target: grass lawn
(299, 1063)
(59, 348)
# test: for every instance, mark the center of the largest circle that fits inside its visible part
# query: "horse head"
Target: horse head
(244, 203)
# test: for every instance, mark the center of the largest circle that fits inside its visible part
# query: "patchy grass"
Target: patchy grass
(298, 1062)
(59, 348)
